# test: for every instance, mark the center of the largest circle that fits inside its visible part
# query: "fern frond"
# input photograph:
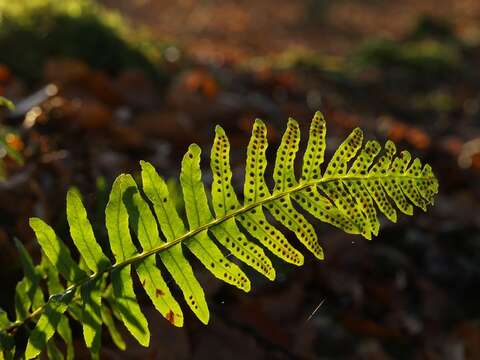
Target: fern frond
(354, 188)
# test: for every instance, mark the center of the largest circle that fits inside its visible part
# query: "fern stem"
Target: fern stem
(165, 246)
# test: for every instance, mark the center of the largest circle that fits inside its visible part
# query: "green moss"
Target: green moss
(430, 50)
(34, 30)
(428, 57)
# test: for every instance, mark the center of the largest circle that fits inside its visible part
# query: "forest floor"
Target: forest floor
(244, 29)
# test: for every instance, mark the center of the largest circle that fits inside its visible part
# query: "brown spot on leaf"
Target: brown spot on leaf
(170, 317)
(159, 292)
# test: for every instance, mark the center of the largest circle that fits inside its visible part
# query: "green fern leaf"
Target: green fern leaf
(116, 219)
(336, 190)
(56, 251)
(356, 187)
(225, 202)
(91, 314)
(173, 227)
(47, 324)
(284, 176)
(7, 342)
(360, 167)
(53, 352)
(48, 272)
(54, 286)
(310, 198)
(4, 321)
(255, 190)
(145, 227)
(22, 300)
(28, 292)
(199, 214)
(65, 333)
(27, 263)
(107, 319)
(82, 233)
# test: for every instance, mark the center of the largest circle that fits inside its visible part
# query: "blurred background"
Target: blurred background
(99, 85)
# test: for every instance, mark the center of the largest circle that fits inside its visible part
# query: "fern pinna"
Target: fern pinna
(356, 184)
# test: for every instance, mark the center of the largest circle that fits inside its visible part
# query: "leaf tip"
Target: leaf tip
(301, 260)
(18, 244)
(318, 115)
(292, 123)
(174, 319)
(194, 149)
(358, 131)
(34, 221)
(259, 122)
(272, 274)
(73, 192)
(146, 166)
(390, 147)
(219, 130)
(247, 286)
(145, 342)
(205, 318)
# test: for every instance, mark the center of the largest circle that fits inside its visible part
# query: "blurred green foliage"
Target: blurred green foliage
(35, 30)
(430, 51)
(425, 57)
(6, 103)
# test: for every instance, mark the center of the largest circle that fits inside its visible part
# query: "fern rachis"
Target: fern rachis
(348, 197)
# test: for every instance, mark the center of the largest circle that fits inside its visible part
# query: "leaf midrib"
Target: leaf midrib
(165, 246)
